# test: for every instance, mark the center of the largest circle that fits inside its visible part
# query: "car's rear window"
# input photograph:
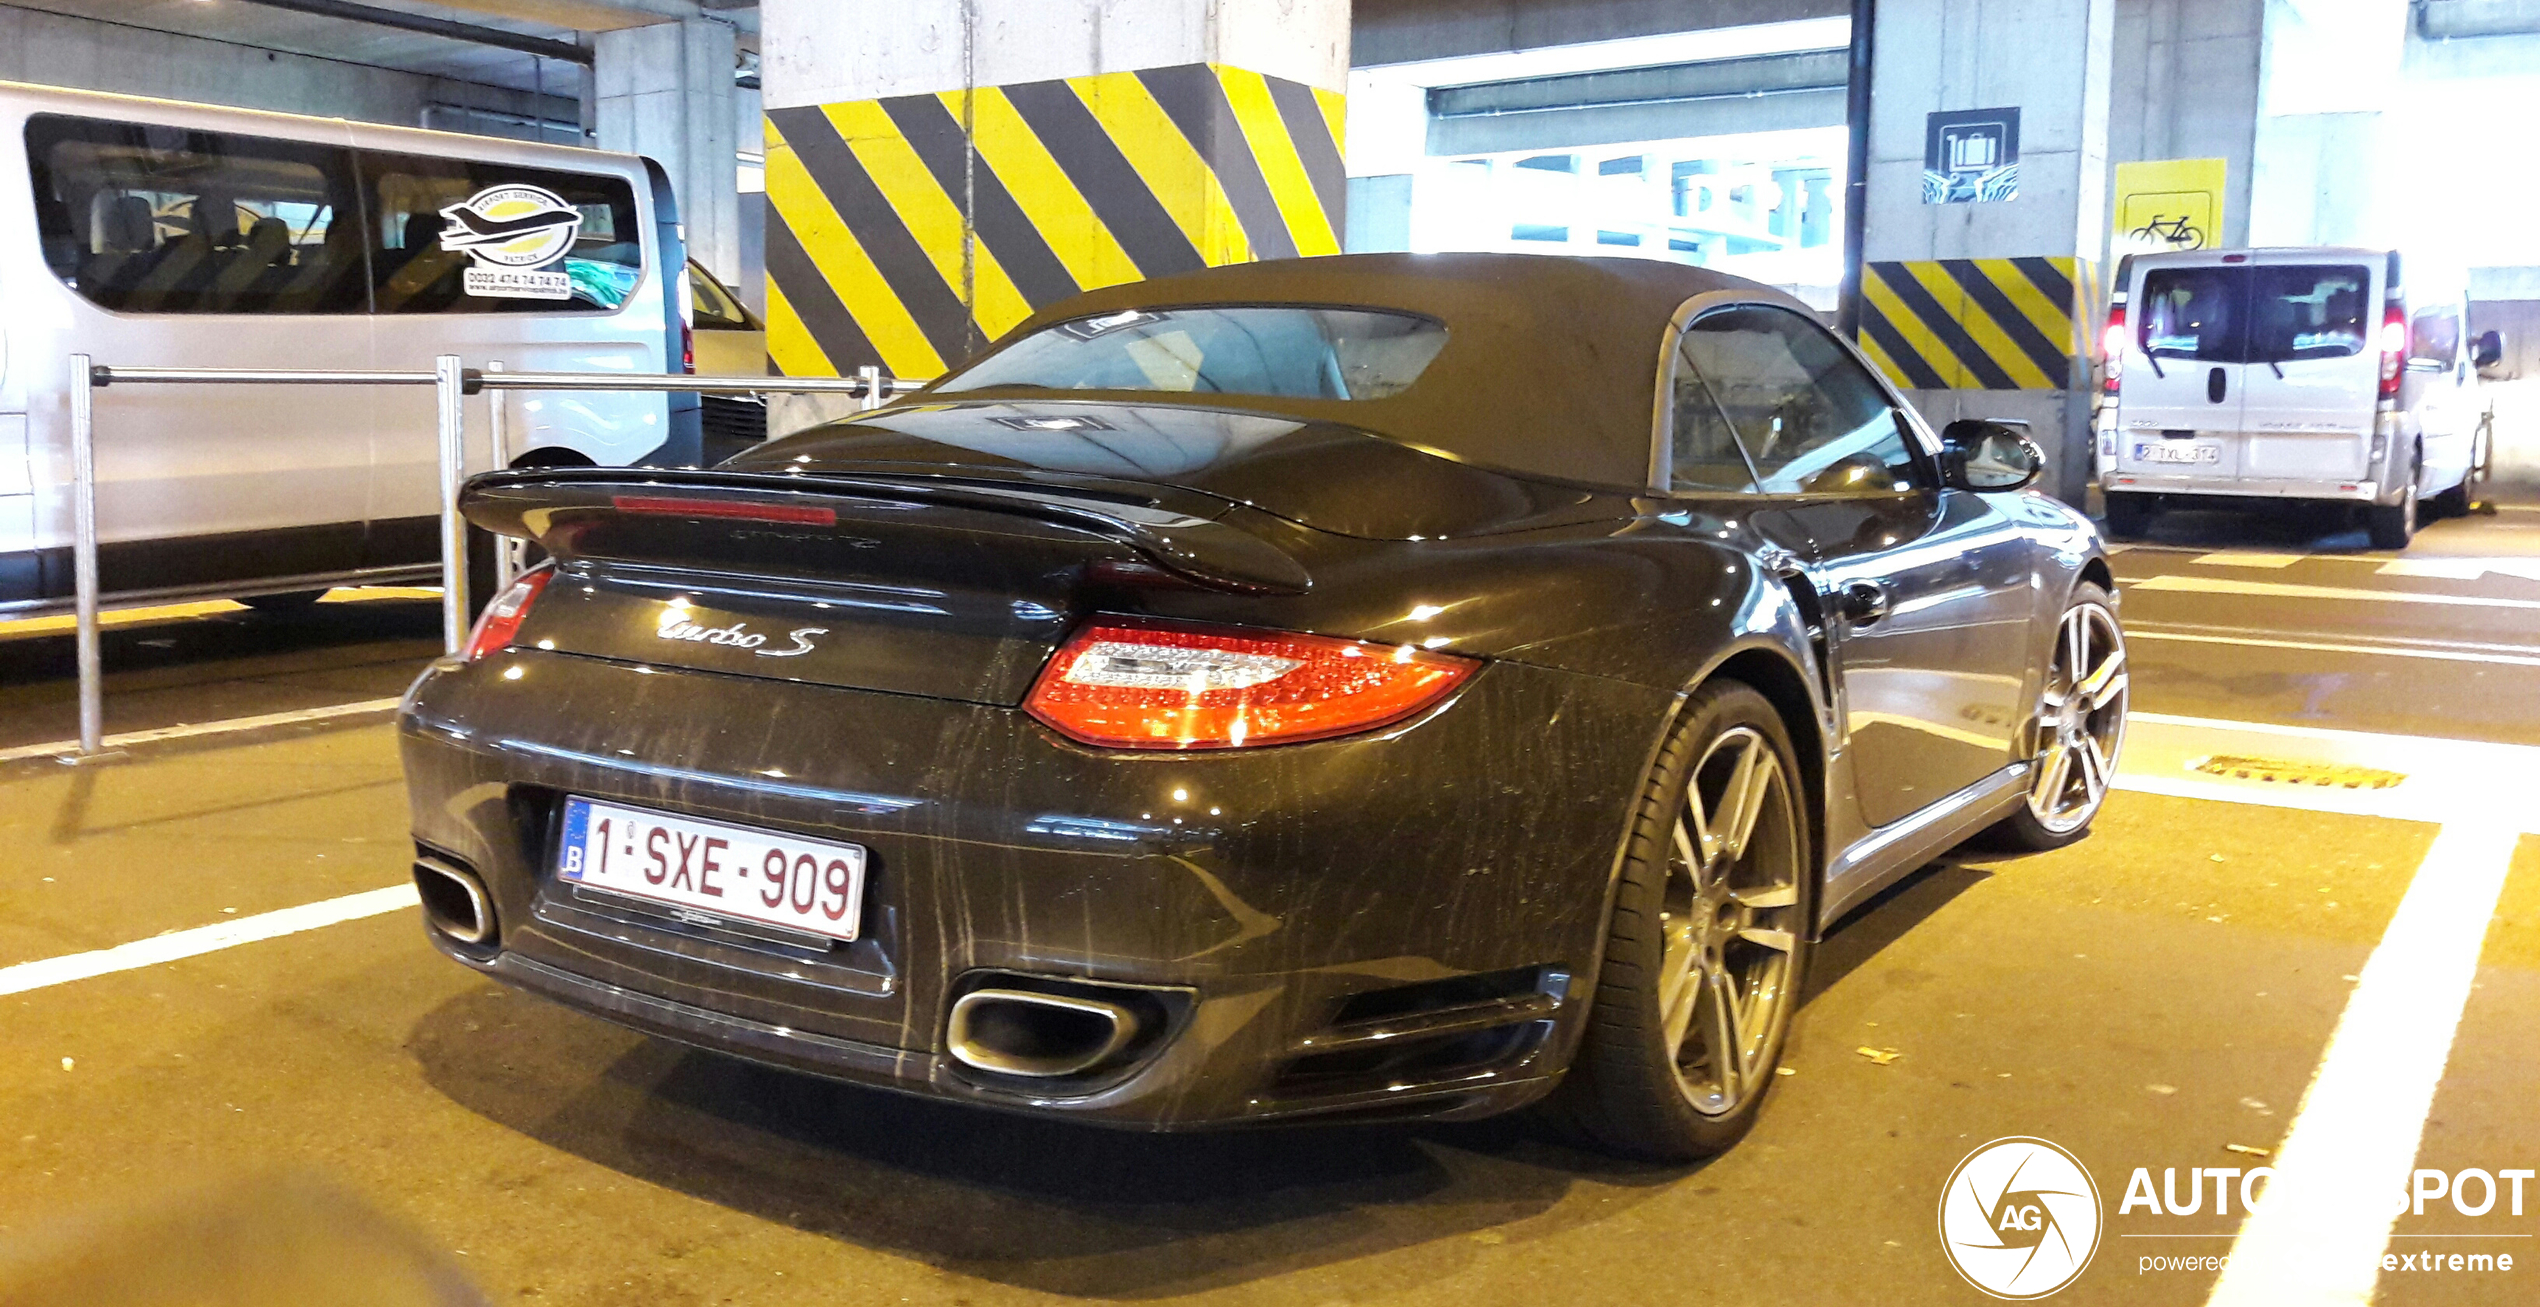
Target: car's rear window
(1287, 352)
(2269, 313)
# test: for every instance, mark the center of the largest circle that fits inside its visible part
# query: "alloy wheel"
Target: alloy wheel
(2080, 720)
(1730, 923)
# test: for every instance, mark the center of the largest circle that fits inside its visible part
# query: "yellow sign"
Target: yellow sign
(2168, 204)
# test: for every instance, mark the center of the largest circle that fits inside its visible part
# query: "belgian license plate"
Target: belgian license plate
(2165, 452)
(714, 869)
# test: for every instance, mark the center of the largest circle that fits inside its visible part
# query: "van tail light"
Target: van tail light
(687, 349)
(501, 619)
(2112, 345)
(2394, 349)
(1126, 683)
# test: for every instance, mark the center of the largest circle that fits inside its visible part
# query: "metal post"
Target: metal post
(449, 389)
(498, 432)
(92, 689)
(872, 378)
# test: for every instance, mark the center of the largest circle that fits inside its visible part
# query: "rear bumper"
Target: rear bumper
(2358, 492)
(1475, 842)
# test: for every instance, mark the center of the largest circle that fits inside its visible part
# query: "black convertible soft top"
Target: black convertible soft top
(1550, 363)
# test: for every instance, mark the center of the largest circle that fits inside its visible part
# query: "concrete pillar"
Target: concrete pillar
(939, 169)
(2186, 87)
(2329, 69)
(1982, 309)
(665, 91)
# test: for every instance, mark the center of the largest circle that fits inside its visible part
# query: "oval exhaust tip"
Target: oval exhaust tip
(1016, 1032)
(455, 901)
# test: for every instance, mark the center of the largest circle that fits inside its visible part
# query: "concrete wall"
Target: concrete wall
(1398, 31)
(2184, 85)
(666, 92)
(55, 50)
(810, 55)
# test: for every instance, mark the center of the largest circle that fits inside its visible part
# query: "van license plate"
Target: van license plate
(2169, 453)
(713, 869)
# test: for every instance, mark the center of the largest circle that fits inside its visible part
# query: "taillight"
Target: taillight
(687, 349)
(2394, 349)
(1129, 684)
(501, 619)
(2112, 345)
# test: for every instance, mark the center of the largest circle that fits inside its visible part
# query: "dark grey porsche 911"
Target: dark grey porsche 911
(1412, 686)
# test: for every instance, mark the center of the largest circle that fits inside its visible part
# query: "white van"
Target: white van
(151, 233)
(2303, 374)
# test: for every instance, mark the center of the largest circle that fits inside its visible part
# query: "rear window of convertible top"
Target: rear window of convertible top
(1288, 352)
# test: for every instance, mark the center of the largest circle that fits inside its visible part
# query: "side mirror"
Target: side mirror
(1988, 457)
(2487, 351)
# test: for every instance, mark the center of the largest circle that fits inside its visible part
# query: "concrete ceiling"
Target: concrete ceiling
(263, 27)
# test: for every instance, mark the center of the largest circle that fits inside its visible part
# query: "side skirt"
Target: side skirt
(1885, 855)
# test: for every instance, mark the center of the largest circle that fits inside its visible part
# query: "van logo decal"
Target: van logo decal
(511, 234)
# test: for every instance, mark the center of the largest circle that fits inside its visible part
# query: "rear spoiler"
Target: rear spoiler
(1204, 550)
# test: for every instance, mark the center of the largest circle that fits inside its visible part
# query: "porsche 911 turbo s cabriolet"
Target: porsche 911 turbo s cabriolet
(1388, 685)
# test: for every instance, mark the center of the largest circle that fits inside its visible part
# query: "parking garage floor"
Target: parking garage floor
(210, 971)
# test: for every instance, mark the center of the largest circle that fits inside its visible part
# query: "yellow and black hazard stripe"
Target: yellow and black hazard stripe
(908, 232)
(1978, 324)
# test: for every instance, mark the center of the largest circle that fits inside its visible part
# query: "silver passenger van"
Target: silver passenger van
(152, 233)
(2325, 374)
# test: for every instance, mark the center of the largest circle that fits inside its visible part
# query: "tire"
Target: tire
(1679, 934)
(2451, 503)
(296, 601)
(2393, 525)
(2129, 514)
(2059, 809)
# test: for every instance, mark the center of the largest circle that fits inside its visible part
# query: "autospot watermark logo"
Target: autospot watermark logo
(2020, 1218)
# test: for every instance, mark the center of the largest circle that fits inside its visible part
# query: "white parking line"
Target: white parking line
(2283, 590)
(2248, 560)
(203, 939)
(2135, 634)
(2318, 1236)
(330, 712)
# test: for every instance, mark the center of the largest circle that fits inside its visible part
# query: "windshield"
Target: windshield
(1285, 352)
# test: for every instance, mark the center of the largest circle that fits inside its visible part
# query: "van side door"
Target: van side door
(2179, 396)
(2442, 390)
(594, 304)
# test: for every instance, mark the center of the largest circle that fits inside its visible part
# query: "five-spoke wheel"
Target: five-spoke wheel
(2079, 728)
(1708, 941)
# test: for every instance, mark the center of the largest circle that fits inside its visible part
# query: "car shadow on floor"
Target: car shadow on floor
(1885, 918)
(2291, 527)
(1052, 1206)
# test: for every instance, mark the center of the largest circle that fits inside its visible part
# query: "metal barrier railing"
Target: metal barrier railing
(452, 384)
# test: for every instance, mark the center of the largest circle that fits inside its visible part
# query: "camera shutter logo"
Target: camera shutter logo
(511, 234)
(2020, 1218)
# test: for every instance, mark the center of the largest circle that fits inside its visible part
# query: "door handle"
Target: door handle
(2215, 384)
(1862, 603)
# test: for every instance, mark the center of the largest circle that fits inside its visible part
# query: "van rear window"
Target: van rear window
(2268, 313)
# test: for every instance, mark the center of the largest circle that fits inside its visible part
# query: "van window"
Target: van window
(2435, 336)
(2267, 313)
(2192, 313)
(148, 219)
(412, 273)
(2307, 311)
